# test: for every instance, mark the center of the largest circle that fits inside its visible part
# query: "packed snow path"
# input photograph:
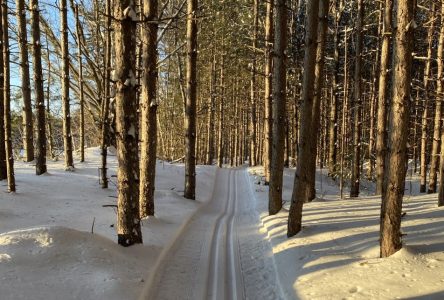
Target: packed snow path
(220, 254)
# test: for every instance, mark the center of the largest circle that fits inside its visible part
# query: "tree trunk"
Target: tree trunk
(7, 100)
(268, 122)
(48, 110)
(301, 180)
(425, 114)
(441, 173)
(237, 124)
(128, 219)
(416, 129)
(28, 144)
(279, 109)
(439, 98)
(40, 165)
(357, 105)
(344, 118)
(381, 135)
(318, 86)
(220, 152)
(211, 110)
(394, 181)
(3, 167)
(67, 137)
(81, 96)
(253, 133)
(190, 110)
(106, 100)
(149, 108)
(287, 143)
(333, 118)
(375, 94)
(435, 159)
(371, 116)
(295, 118)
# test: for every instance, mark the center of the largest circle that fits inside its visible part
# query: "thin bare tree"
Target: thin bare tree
(3, 167)
(28, 139)
(148, 103)
(40, 163)
(357, 104)
(268, 122)
(7, 98)
(191, 99)
(381, 135)
(67, 136)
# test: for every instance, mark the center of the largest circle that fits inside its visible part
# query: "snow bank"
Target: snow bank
(336, 256)
(47, 250)
(61, 263)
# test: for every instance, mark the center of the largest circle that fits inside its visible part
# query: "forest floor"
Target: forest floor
(336, 255)
(47, 250)
(221, 246)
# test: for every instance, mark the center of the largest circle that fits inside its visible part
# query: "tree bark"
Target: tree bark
(7, 100)
(279, 108)
(318, 86)
(28, 140)
(220, 151)
(333, 118)
(237, 123)
(253, 119)
(425, 114)
(67, 137)
(128, 219)
(435, 157)
(394, 181)
(439, 98)
(381, 135)
(190, 110)
(106, 99)
(149, 108)
(268, 122)
(376, 69)
(81, 96)
(3, 167)
(344, 118)
(48, 110)
(372, 149)
(301, 180)
(40, 165)
(357, 105)
(211, 111)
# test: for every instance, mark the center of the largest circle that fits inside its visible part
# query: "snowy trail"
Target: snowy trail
(220, 254)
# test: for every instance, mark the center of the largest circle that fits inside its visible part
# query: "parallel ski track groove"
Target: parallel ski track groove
(214, 266)
(221, 254)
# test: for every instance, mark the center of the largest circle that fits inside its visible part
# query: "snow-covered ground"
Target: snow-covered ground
(221, 254)
(336, 256)
(47, 250)
(224, 245)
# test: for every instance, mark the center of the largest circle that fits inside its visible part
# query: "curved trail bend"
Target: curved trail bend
(220, 254)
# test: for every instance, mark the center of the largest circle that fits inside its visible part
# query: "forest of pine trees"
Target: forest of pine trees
(351, 86)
